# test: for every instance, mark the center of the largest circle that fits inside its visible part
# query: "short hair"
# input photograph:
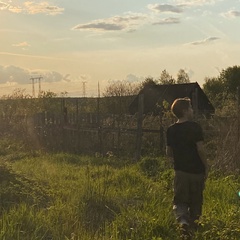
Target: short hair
(180, 105)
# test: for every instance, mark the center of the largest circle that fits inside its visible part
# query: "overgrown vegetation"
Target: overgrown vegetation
(64, 196)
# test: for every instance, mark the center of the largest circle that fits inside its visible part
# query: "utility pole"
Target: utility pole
(39, 85)
(84, 89)
(33, 88)
(39, 78)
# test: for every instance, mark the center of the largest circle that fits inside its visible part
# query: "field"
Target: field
(70, 197)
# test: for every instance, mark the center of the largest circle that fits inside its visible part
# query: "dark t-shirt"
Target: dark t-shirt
(182, 138)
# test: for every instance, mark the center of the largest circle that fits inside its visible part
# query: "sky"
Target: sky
(74, 45)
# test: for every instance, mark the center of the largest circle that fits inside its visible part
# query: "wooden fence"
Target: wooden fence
(68, 125)
(91, 133)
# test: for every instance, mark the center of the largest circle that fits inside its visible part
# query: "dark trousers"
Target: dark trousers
(188, 196)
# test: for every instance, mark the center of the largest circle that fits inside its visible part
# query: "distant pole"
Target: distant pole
(98, 100)
(100, 142)
(238, 113)
(39, 85)
(84, 89)
(33, 88)
(139, 127)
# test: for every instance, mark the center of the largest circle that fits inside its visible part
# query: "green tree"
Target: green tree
(166, 78)
(222, 90)
(213, 88)
(231, 81)
(182, 77)
(149, 81)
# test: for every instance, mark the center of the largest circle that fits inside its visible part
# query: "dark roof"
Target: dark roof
(154, 94)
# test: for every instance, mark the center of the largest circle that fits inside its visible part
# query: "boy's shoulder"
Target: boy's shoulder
(187, 124)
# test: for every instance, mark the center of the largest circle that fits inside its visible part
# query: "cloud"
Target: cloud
(13, 74)
(22, 44)
(42, 7)
(204, 41)
(19, 75)
(231, 14)
(52, 77)
(167, 21)
(31, 7)
(160, 8)
(116, 23)
(195, 2)
(15, 9)
(3, 5)
(131, 78)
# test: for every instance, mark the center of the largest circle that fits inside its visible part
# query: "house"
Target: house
(154, 97)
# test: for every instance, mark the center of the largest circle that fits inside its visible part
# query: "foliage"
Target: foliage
(118, 95)
(222, 90)
(121, 88)
(149, 81)
(17, 93)
(63, 196)
(182, 77)
(166, 78)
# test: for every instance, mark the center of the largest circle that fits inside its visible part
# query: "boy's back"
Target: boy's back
(182, 138)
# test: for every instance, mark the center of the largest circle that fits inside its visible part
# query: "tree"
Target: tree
(149, 81)
(182, 77)
(121, 88)
(231, 80)
(213, 88)
(118, 96)
(166, 78)
(222, 90)
(47, 94)
(17, 93)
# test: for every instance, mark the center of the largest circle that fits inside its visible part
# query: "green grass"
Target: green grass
(69, 197)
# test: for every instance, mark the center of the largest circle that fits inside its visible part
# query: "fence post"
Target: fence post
(99, 126)
(238, 113)
(162, 145)
(139, 127)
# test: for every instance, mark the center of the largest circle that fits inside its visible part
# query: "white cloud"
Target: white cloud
(131, 78)
(195, 2)
(116, 23)
(42, 7)
(31, 7)
(231, 14)
(22, 44)
(160, 8)
(15, 9)
(167, 21)
(3, 5)
(205, 41)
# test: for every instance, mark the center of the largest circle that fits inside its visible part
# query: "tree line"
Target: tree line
(221, 90)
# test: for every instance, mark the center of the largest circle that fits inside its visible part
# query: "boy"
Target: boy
(185, 147)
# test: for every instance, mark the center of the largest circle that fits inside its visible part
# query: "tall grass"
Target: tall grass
(69, 197)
